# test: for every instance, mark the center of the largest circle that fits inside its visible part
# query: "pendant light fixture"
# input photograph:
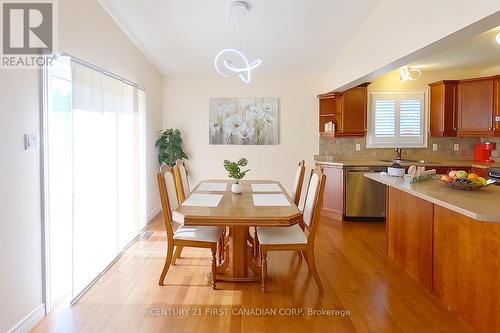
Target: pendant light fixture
(231, 62)
(409, 73)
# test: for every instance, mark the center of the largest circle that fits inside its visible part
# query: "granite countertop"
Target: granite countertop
(379, 161)
(481, 205)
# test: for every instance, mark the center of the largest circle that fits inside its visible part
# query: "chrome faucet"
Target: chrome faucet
(398, 151)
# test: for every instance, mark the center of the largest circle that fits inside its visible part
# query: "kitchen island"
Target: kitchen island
(449, 242)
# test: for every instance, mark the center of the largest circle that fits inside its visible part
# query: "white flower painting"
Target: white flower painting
(243, 121)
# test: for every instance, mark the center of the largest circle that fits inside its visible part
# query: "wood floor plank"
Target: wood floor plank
(352, 262)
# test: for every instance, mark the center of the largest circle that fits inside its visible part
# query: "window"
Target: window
(397, 120)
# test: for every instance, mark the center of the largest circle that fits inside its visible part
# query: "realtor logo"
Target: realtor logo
(28, 31)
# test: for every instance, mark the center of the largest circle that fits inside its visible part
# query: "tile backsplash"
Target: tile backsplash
(347, 146)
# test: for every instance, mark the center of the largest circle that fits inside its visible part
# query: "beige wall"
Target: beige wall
(186, 108)
(395, 30)
(391, 82)
(20, 222)
(85, 31)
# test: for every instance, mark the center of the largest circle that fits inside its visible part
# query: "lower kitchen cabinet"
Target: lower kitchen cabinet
(444, 170)
(333, 199)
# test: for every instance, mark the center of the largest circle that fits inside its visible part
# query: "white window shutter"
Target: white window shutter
(385, 118)
(396, 120)
(410, 118)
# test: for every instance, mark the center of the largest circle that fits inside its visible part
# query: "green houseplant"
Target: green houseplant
(170, 147)
(235, 172)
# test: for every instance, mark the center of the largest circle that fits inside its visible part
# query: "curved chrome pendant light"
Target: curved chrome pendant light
(224, 60)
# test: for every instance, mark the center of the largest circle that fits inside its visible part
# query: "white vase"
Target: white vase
(236, 188)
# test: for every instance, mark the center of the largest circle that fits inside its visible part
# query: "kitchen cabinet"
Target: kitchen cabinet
(444, 170)
(481, 172)
(465, 108)
(347, 110)
(475, 107)
(333, 198)
(409, 234)
(443, 108)
(330, 105)
(496, 93)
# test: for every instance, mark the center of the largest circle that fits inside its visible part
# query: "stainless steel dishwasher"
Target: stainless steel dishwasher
(364, 198)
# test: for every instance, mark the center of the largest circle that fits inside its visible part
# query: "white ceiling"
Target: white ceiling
(182, 37)
(479, 52)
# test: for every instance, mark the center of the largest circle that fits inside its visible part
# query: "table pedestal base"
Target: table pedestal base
(238, 264)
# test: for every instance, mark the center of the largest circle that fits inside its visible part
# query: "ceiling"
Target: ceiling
(182, 37)
(479, 52)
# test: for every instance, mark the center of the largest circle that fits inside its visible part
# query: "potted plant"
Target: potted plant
(169, 147)
(235, 172)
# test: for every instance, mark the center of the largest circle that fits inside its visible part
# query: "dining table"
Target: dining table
(262, 203)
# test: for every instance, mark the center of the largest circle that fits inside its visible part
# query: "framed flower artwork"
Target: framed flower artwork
(243, 121)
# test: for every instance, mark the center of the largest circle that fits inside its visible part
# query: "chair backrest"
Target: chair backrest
(168, 196)
(297, 184)
(314, 201)
(181, 180)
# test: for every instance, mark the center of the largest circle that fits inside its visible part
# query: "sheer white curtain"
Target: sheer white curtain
(108, 193)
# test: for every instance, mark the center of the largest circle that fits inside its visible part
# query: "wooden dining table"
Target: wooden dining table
(238, 213)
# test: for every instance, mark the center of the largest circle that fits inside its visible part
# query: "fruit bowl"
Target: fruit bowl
(463, 184)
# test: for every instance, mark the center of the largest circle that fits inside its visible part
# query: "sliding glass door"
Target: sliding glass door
(100, 189)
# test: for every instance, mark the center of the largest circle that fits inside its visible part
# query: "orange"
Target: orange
(473, 177)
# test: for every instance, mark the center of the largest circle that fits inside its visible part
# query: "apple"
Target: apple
(446, 179)
(452, 174)
(461, 174)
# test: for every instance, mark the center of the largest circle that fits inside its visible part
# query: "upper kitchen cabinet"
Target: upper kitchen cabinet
(475, 108)
(496, 103)
(465, 108)
(330, 105)
(443, 108)
(347, 110)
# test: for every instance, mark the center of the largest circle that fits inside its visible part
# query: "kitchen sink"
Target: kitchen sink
(411, 161)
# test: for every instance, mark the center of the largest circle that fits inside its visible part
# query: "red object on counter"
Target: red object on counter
(483, 151)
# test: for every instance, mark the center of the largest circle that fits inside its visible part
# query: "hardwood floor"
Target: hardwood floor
(351, 257)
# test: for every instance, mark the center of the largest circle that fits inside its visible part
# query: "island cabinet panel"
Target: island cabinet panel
(466, 270)
(333, 198)
(409, 234)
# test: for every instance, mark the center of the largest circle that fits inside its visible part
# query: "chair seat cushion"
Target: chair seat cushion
(281, 235)
(202, 234)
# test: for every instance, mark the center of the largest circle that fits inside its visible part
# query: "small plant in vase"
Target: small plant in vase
(235, 172)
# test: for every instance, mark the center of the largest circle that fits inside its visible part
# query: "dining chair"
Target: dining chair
(296, 192)
(183, 190)
(200, 237)
(299, 237)
(181, 180)
(297, 184)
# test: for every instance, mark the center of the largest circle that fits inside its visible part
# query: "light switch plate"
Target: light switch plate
(30, 141)
(456, 147)
(358, 146)
(497, 118)
(434, 147)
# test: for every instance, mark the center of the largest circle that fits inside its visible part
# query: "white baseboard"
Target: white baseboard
(29, 321)
(153, 214)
